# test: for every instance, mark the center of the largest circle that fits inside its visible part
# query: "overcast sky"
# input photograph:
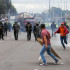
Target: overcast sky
(38, 5)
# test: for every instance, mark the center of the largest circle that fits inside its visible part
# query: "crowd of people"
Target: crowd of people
(39, 31)
(36, 29)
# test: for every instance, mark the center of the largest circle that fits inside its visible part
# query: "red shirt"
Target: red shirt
(62, 32)
(65, 30)
(47, 34)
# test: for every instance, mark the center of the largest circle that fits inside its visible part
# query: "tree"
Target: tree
(2, 8)
(6, 6)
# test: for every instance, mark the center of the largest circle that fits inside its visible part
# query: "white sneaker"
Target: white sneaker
(43, 64)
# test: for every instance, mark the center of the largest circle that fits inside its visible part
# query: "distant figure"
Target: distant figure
(16, 28)
(1, 31)
(46, 45)
(63, 32)
(65, 24)
(53, 27)
(9, 26)
(36, 31)
(28, 29)
(5, 28)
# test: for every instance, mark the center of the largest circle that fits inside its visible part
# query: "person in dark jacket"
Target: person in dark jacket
(9, 27)
(65, 24)
(16, 28)
(63, 32)
(28, 29)
(53, 28)
(1, 31)
(36, 31)
(5, 28)
(67, 28)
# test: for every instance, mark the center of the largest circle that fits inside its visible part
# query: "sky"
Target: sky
(37, 6)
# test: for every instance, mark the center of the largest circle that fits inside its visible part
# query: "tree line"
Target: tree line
(7, 7)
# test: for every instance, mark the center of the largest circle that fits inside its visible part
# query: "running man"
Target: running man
(46, 45)
(63, 32)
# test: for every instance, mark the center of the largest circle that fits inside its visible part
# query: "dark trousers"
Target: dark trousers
(36, 36)
(28, 35)
(16, 35)
(53, 30)
(1, 34)
(63, 40)
(5, 32)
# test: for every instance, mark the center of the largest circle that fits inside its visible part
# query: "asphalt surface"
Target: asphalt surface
(23, 54)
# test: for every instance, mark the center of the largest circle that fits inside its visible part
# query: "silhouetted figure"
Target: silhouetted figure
(16, 28)
(28, 29)
(1, 31)
(36, 31)
(53, 27)
(5, 29)
(65, 24)
(9, 27)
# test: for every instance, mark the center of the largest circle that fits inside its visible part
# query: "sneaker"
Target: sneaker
(56, 62)
(43, 64)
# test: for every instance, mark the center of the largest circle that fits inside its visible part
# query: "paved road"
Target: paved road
(23, 54)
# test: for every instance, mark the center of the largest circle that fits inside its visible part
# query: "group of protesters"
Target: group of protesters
(40, 31)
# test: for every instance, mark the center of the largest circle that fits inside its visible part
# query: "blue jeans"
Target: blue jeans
(48, 50)
(63, 38)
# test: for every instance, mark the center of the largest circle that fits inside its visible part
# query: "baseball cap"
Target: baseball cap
(62, 23)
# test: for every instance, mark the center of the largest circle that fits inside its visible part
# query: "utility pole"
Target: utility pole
(53, 12)
(61, 10)
(49, 11)
(66, 10)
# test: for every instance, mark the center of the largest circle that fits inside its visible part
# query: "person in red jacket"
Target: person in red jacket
(63, 32)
